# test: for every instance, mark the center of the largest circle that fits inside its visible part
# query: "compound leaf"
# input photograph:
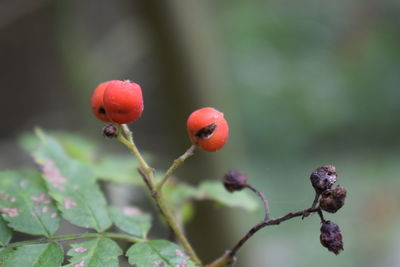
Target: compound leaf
(5, 232)
(158, 253)
(215, 191)
(39, 255)
(72, 185)
(210, 190)
(4, 254)
(98, 252)
(131, 220)
(119, 169)
(25, 205)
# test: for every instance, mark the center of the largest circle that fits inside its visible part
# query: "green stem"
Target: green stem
(148, 174)
(132, 147)
(175, 165)
(77, 236)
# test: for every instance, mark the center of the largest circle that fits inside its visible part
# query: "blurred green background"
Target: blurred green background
(301, 83)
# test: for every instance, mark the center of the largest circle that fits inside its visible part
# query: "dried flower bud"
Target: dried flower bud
(333, 199)
(234, 181)
(323, 178)
(110, 131)
(331, 237)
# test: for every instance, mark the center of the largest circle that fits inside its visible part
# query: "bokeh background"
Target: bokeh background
(302, 84)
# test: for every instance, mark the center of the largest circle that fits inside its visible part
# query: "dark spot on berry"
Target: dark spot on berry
(102, 110)
(206, 132)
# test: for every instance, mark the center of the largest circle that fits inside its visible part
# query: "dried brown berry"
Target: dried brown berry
(331, 237)
(323, 178)
(333, 199)
(234, 181)
(110, 131)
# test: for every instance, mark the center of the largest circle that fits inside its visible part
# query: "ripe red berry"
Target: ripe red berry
(208, 129)
(123, 101)
(97, 103)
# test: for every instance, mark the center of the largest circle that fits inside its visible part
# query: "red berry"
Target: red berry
(123, 101)
(208, 129)
(97, 102)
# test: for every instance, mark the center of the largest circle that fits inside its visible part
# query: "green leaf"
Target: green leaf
(213, 190)
(120, 169)
(4, 254)
(98, 252)
(158, 253)
(25, 205)
(180, 193)
(131, 220)
(116, 168)
(5, 232)
(39, 255)
(180, 196)
(75, 146)
(28, 141)
(187, 212)
(72, 184)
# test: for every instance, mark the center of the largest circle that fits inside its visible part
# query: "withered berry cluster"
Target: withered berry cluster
(330, 200)
(326, 199)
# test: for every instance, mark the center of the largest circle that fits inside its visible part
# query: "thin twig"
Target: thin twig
(321, 216)
(313, 205)
(176, 164)
(316, 198)
(229, 256)
(263, 199)
(262, 224)
(147, 182)
(132, 147)
(148, 176)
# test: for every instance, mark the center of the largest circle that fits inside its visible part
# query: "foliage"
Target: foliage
(66, 185)
(95, 252)
(158, 253)
(38, 255)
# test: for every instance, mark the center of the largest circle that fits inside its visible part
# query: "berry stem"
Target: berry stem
(263, 199)
(148, 175)
(315, 202)
(61, 238)
(321, 216)
(132, 147)
(175, 165)
(230, 255)
(313, 205)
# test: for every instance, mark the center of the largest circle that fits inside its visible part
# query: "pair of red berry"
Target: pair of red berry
(122, 102)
